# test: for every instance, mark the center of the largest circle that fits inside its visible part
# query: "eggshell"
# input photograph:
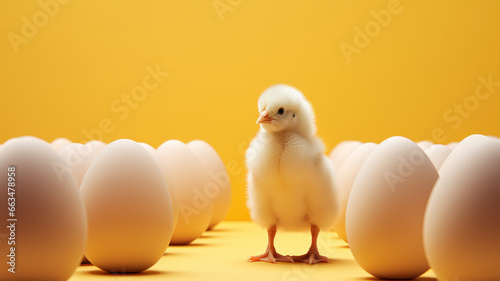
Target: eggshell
(129, 209)
(151, 150)
(78, 158)
(425, 144)
(468, 140)
(385, 210)
(462, 221)
(341, 151)
(51, 228)
(171, 186)
(345, 180)
(96, 146)
(219, 186)
(438, 154)
(452, 144)
(59, 143)
(189, 177)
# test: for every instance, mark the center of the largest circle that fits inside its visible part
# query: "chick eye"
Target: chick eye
(281, 111)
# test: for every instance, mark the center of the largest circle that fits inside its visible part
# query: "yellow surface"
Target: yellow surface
(222, 254)
(65, 76)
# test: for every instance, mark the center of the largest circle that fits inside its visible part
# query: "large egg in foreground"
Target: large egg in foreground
(129, 210)
(51, 229)
(385, 210)
(462, 221)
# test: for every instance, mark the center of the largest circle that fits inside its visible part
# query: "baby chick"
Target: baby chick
(290, 180)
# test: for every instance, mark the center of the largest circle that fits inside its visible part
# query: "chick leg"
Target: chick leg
(312, 256)
(271, 255)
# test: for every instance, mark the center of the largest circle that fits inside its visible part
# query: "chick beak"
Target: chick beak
(264, 118)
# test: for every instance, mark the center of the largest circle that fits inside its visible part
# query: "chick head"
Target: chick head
(284, 108)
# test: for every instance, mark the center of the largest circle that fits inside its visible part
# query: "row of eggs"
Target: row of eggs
(133, 202)
(407, 207)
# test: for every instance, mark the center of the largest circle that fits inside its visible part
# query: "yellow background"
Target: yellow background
(65, 79)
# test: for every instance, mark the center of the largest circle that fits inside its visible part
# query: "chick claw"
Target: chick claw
(312, 257)
(271, 256)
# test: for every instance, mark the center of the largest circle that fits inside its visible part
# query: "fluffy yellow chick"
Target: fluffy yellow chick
(290, 180)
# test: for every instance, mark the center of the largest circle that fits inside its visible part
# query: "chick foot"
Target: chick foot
(271, 256)
(311, 257)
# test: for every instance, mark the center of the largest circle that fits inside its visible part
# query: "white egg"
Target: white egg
(468, 140)
(129, 209)
(385, 210)
(462, 221)
(220, 186)
(78, 158)
(341, 151)
(345, 179)
(171, 186)
(495, 137)
(96, 146)
(438, 154)
(452, 144)
(151, 150)
(59, 143)
(425, 144)
(50, 233)
(189, 179)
